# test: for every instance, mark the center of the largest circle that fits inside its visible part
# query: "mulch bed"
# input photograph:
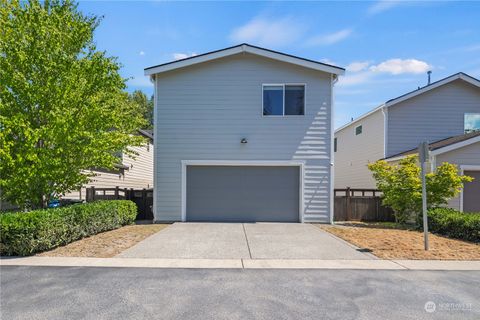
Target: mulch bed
(390, 243)
(106, 244)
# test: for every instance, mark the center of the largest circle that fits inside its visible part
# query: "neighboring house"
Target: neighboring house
(243, 134)
(131, 172)
(444, 113)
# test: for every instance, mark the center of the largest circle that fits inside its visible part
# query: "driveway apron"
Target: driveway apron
(244, 241)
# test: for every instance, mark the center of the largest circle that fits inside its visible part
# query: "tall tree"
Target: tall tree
(63, 107)
(145, 105)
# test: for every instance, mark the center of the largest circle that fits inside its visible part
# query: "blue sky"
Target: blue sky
(386, 46)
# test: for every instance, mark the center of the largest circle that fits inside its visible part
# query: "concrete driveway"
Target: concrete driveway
(244, 241)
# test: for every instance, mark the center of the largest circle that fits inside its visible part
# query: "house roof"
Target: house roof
(241, 48)
(457, 76)
(147, 133)
(444, 145)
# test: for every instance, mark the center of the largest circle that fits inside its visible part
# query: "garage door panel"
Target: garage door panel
(242, 193)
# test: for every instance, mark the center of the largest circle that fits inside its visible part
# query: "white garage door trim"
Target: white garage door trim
(185, 163)
(466, 167)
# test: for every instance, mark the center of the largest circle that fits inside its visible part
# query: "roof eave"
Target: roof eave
(248, 49)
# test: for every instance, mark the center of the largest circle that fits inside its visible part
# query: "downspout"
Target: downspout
(153, 79)
(333, 80)
(385, 131)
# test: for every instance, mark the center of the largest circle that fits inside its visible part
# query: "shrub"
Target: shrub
(401, 185)
(25, 233)
(455, 224)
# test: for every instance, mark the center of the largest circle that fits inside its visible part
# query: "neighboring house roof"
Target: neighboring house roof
(147, 133)
(444, 145)
(458, 76)
(241, 48)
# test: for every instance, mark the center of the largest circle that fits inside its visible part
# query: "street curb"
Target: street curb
(243, 263)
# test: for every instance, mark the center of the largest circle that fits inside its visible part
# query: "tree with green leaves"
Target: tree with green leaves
(401, 185)
(63, 108)
(145, 105)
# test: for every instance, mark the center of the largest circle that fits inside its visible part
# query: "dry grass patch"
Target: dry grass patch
(106, 244)
(388, 243)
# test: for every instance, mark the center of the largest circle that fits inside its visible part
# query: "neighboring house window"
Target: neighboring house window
(472, 122)
(358, 130)
(334, 144)
(284, 100)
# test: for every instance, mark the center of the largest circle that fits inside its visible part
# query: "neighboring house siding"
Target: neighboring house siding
(432, 116)
(468, 155)
(203, 111)
(138, 176)
(354, 152)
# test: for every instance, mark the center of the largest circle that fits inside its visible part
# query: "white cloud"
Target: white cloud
(328, 61)
(400, 66)
(382, 5)
(362, 72)
(179, 55)
(142, 53)
(268, 31)
(355, 79)
(357, 66)
(330, 38)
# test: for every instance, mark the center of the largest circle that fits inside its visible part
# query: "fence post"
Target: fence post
(116, 193)
(125, 193)
(348, 203)
(92, 193)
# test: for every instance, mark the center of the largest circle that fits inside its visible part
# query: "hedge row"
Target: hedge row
(25, 233)
(455, 224)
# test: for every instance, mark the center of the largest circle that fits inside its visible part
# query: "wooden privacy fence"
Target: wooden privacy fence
(143, 198)
(360, 205)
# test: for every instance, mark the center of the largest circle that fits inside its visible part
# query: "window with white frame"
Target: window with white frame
(283, 100)
(358, 130)
(472, 122)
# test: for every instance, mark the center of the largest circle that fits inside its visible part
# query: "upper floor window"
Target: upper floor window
(283, 100)
(472, 122)
(358, 130)
(334, 144)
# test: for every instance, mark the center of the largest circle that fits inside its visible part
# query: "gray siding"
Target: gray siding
(203, 112)
(355, 152)
(432, 116)
(469, 155)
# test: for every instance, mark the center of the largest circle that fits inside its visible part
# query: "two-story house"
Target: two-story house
(446, 113)
(243, 134)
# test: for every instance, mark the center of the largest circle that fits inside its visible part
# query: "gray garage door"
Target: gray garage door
(243, 193)
(471, 193)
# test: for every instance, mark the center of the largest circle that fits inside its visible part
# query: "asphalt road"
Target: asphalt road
(135, 293)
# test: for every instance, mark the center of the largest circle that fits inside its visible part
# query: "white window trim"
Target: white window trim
(283, 88)
(466, 167)
(300, 164)
(355, 130)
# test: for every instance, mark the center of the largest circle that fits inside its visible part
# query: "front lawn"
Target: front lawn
(389, 242)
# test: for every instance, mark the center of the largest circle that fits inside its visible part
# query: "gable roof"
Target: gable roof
(244, 47)
(457, 76)
(147, 133)
(444, 145)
